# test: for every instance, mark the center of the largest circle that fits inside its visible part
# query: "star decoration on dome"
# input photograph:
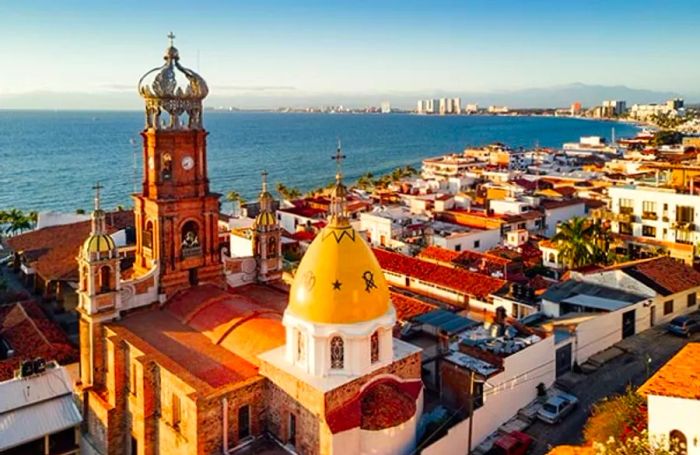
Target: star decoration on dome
(336, 285)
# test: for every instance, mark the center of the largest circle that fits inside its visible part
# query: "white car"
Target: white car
(557, 407)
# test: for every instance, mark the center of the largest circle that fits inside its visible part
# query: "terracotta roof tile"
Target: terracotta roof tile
(52, 250)
(407, 307)
(462, 281)
(438, 254)
(679, 378)
(664, 274)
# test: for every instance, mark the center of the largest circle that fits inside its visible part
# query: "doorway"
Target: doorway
(292, 429)
(194, 279)
(652, 316)
(628, 323)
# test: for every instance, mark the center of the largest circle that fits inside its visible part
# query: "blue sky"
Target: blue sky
(298, 48)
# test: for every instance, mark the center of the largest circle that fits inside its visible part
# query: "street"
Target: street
(612, 378)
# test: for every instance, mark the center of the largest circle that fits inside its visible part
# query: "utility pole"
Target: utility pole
(471, 411)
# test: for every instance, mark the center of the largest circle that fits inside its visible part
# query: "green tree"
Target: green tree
(575, 242)
(235, 196)
(288, 193)
(365, 181)
(16, 221)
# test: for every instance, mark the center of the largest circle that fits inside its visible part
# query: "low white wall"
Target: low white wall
(504, 395)
(668, 413)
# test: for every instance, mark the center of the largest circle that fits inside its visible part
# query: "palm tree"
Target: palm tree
(600, 235)
(365, 181)
(574, 239)
(16, 221)
(235, 196)
(288, 193)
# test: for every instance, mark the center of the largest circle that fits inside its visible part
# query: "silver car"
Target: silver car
(557, 407)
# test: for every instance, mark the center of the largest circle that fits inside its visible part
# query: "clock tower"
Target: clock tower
(176, 215)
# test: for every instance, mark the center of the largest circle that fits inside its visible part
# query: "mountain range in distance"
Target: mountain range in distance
(273, 97)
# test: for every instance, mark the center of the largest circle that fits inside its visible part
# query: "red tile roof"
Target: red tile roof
(31, 334)
(551, 204)
(52, 250)
(408, 308)
(679, 378)
(438, 254)
(458, 280)
(664, 274)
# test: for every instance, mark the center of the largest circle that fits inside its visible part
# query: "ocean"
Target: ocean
(49, 160)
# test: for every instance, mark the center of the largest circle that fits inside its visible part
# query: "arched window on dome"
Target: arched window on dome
(374, 348)
(337, 353)
(679, 443)
(105, 278)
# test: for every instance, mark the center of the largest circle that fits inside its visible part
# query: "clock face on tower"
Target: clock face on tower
(187, 163)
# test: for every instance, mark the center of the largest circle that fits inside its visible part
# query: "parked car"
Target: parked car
(683, 326)
(513, 443)
(557, 407)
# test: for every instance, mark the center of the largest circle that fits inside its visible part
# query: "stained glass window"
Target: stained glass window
(337, 353)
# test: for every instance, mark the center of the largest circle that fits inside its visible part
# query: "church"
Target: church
(190, 351)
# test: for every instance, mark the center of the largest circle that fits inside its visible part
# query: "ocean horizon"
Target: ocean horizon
(49, 160)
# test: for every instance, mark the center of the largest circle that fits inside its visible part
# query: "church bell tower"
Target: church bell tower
(176, 215)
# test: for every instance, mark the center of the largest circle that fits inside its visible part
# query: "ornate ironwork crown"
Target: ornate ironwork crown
(174, 89)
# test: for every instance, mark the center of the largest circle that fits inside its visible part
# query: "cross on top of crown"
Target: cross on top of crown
(338, 157)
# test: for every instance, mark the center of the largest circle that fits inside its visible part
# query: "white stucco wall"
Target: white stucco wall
(561, 214)
(669, 413)
(514, 388)
(475, 240)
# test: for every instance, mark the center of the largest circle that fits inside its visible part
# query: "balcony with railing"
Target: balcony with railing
(609, 215)
(650, 216)
(683, 226)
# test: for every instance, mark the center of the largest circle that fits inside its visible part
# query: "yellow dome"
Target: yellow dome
(98, 243)
(265, 219)
(339, 280)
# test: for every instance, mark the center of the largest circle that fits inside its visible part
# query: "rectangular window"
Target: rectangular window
(692, 299)
(243, 422)
(648, 231)
(477, 243)
(685, 214)
(625, 228)
(683, 236)
(626, 206)
(649, 210)
(668, 307)
(458, 247)
(177, 413)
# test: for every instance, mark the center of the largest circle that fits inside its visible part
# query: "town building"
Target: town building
(673, 402)
(38, 415)
(647, 219)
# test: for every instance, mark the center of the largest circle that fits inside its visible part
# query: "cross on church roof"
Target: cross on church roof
(97, 187)
(338, 157)
(171, 38)
(264, 175)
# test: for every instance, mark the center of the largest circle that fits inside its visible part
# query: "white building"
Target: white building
(556, 212)
(37, 412)
(386, 107)
(673, 401)
(660, 217)
(460, 238)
